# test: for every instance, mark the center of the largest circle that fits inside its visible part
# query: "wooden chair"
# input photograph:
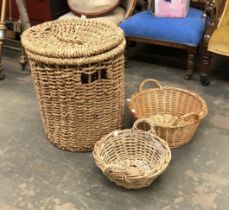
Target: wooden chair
(183, 33)
(60, 9)
(216, 38)
(25, 23)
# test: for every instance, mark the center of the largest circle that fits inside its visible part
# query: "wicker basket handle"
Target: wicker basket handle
(155, 82)
(187, 117)
(145, 125)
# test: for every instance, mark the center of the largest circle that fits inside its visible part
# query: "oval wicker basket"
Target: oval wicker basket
(132, 158)
(176, 113)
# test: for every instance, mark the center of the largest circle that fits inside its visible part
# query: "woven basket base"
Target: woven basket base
(179, 145)
(132, 165)
(70, 149)
(133, 187)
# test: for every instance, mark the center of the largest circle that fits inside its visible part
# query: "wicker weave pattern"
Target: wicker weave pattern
(132, 158)
(75, 116)
(71, 39)
(169, 101)
(77, 113)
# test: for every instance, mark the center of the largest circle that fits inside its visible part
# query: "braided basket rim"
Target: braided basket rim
(78, 61)
(87, 46)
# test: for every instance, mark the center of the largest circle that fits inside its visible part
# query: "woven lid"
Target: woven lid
(72, 39)
(92, 8)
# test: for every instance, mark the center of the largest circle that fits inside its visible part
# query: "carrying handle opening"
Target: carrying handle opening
(187, 117)
(155, 82)
(144, 125)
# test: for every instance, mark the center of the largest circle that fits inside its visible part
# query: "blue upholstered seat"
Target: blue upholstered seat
(188, 30)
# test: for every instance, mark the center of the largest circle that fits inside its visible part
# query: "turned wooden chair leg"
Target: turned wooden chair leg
(2, 35)
(190, 65)
(2, 76)
(23, 58)
(206, 59)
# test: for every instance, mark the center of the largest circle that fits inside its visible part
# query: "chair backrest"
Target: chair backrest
(198, 3)
(224, 16)
(58, 8)
(129, 6)
(124, 3)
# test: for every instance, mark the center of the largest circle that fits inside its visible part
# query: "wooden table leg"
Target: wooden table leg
(2, 76)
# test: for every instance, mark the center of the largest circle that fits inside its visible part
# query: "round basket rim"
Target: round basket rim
(43, 42)
(191, 93)
(78, 61)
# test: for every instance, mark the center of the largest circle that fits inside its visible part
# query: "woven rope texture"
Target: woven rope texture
(80, 102)
(62, 41)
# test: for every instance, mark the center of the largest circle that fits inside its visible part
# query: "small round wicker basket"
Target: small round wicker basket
(176, 113)
(132, 158)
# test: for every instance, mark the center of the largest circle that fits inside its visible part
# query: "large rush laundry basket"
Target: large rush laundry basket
(78, 74)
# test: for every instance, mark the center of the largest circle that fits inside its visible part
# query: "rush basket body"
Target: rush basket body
(78, 72)
(176, 113)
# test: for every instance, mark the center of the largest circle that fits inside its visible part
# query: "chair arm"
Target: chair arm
(130, 8)
(207, 35)
(211, 21)
(210, 10)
